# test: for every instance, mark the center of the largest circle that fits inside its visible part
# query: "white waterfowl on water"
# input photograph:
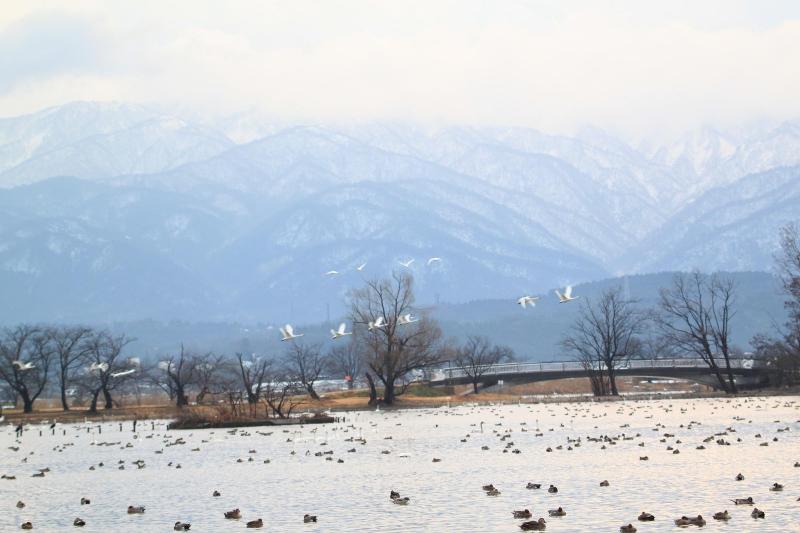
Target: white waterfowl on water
(340, 332)
(288, 333)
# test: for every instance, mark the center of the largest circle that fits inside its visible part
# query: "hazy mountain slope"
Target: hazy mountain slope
(63, 270)
(245, 231)
(88, 142)
(731, 227)
(533, 333)
(484, 247)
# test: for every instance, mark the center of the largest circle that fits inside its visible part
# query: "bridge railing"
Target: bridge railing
(501, 369)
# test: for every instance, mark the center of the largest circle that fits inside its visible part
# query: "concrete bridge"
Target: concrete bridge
(747, 372)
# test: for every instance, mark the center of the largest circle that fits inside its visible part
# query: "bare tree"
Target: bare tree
(281, 394)
(154, 372)
(394, 350)
(208, 369)
(596, 372)
(780, 357)
(477, 356)
(788, 262)
(107, 368)
(604, 336)
(781, 351)
(695, 315)
(344, 360)
(181, 373)
(254, 374)
(25, 357)
(71, 350)
(305, 363)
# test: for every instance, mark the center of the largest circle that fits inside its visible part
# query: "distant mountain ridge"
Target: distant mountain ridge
(116, 211)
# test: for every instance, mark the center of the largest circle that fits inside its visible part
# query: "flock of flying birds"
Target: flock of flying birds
(94, 367)
(288, 333)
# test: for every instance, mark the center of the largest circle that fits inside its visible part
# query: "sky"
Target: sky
(635, 67)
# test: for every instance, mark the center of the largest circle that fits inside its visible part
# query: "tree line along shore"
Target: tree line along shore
(89, 370)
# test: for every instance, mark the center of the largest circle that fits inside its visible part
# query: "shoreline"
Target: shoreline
(356, 404)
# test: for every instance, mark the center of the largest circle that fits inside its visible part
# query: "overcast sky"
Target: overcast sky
(632, 67)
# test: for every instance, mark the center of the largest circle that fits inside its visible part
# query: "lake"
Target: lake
(279, 486)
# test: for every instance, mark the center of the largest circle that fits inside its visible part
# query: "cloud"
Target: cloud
(42, 46)
(627, 66)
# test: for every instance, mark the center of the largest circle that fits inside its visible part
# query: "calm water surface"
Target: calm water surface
(445, 496)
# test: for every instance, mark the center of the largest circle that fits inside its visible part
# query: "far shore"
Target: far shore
(356, 400)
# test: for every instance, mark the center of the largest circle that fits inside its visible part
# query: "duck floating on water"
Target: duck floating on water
(757, 513)
(255, 523)
(308, 518)
(235, 514)
(646, 517)
(743, 501)
(557, 512)
(776, 487)
(534, 525)
(722, 515)
(182, 526)
(26, 525)
(79, 522)
(552, 489)
(683, 521)
(630, 528)
(135, 510)
(522, 514)
(698, 521)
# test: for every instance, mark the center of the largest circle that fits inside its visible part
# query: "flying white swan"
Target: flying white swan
(361, 267)
(567, 296)
(377, 323)
(23, 366)
(123, 373)
(525, 300)
(406, 319)
(434, 260)
(102, 367)
(340, 332)
(406, 264)
(288, 333)
(331, 273)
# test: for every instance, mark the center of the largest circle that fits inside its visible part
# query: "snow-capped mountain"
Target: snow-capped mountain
(122, 211)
